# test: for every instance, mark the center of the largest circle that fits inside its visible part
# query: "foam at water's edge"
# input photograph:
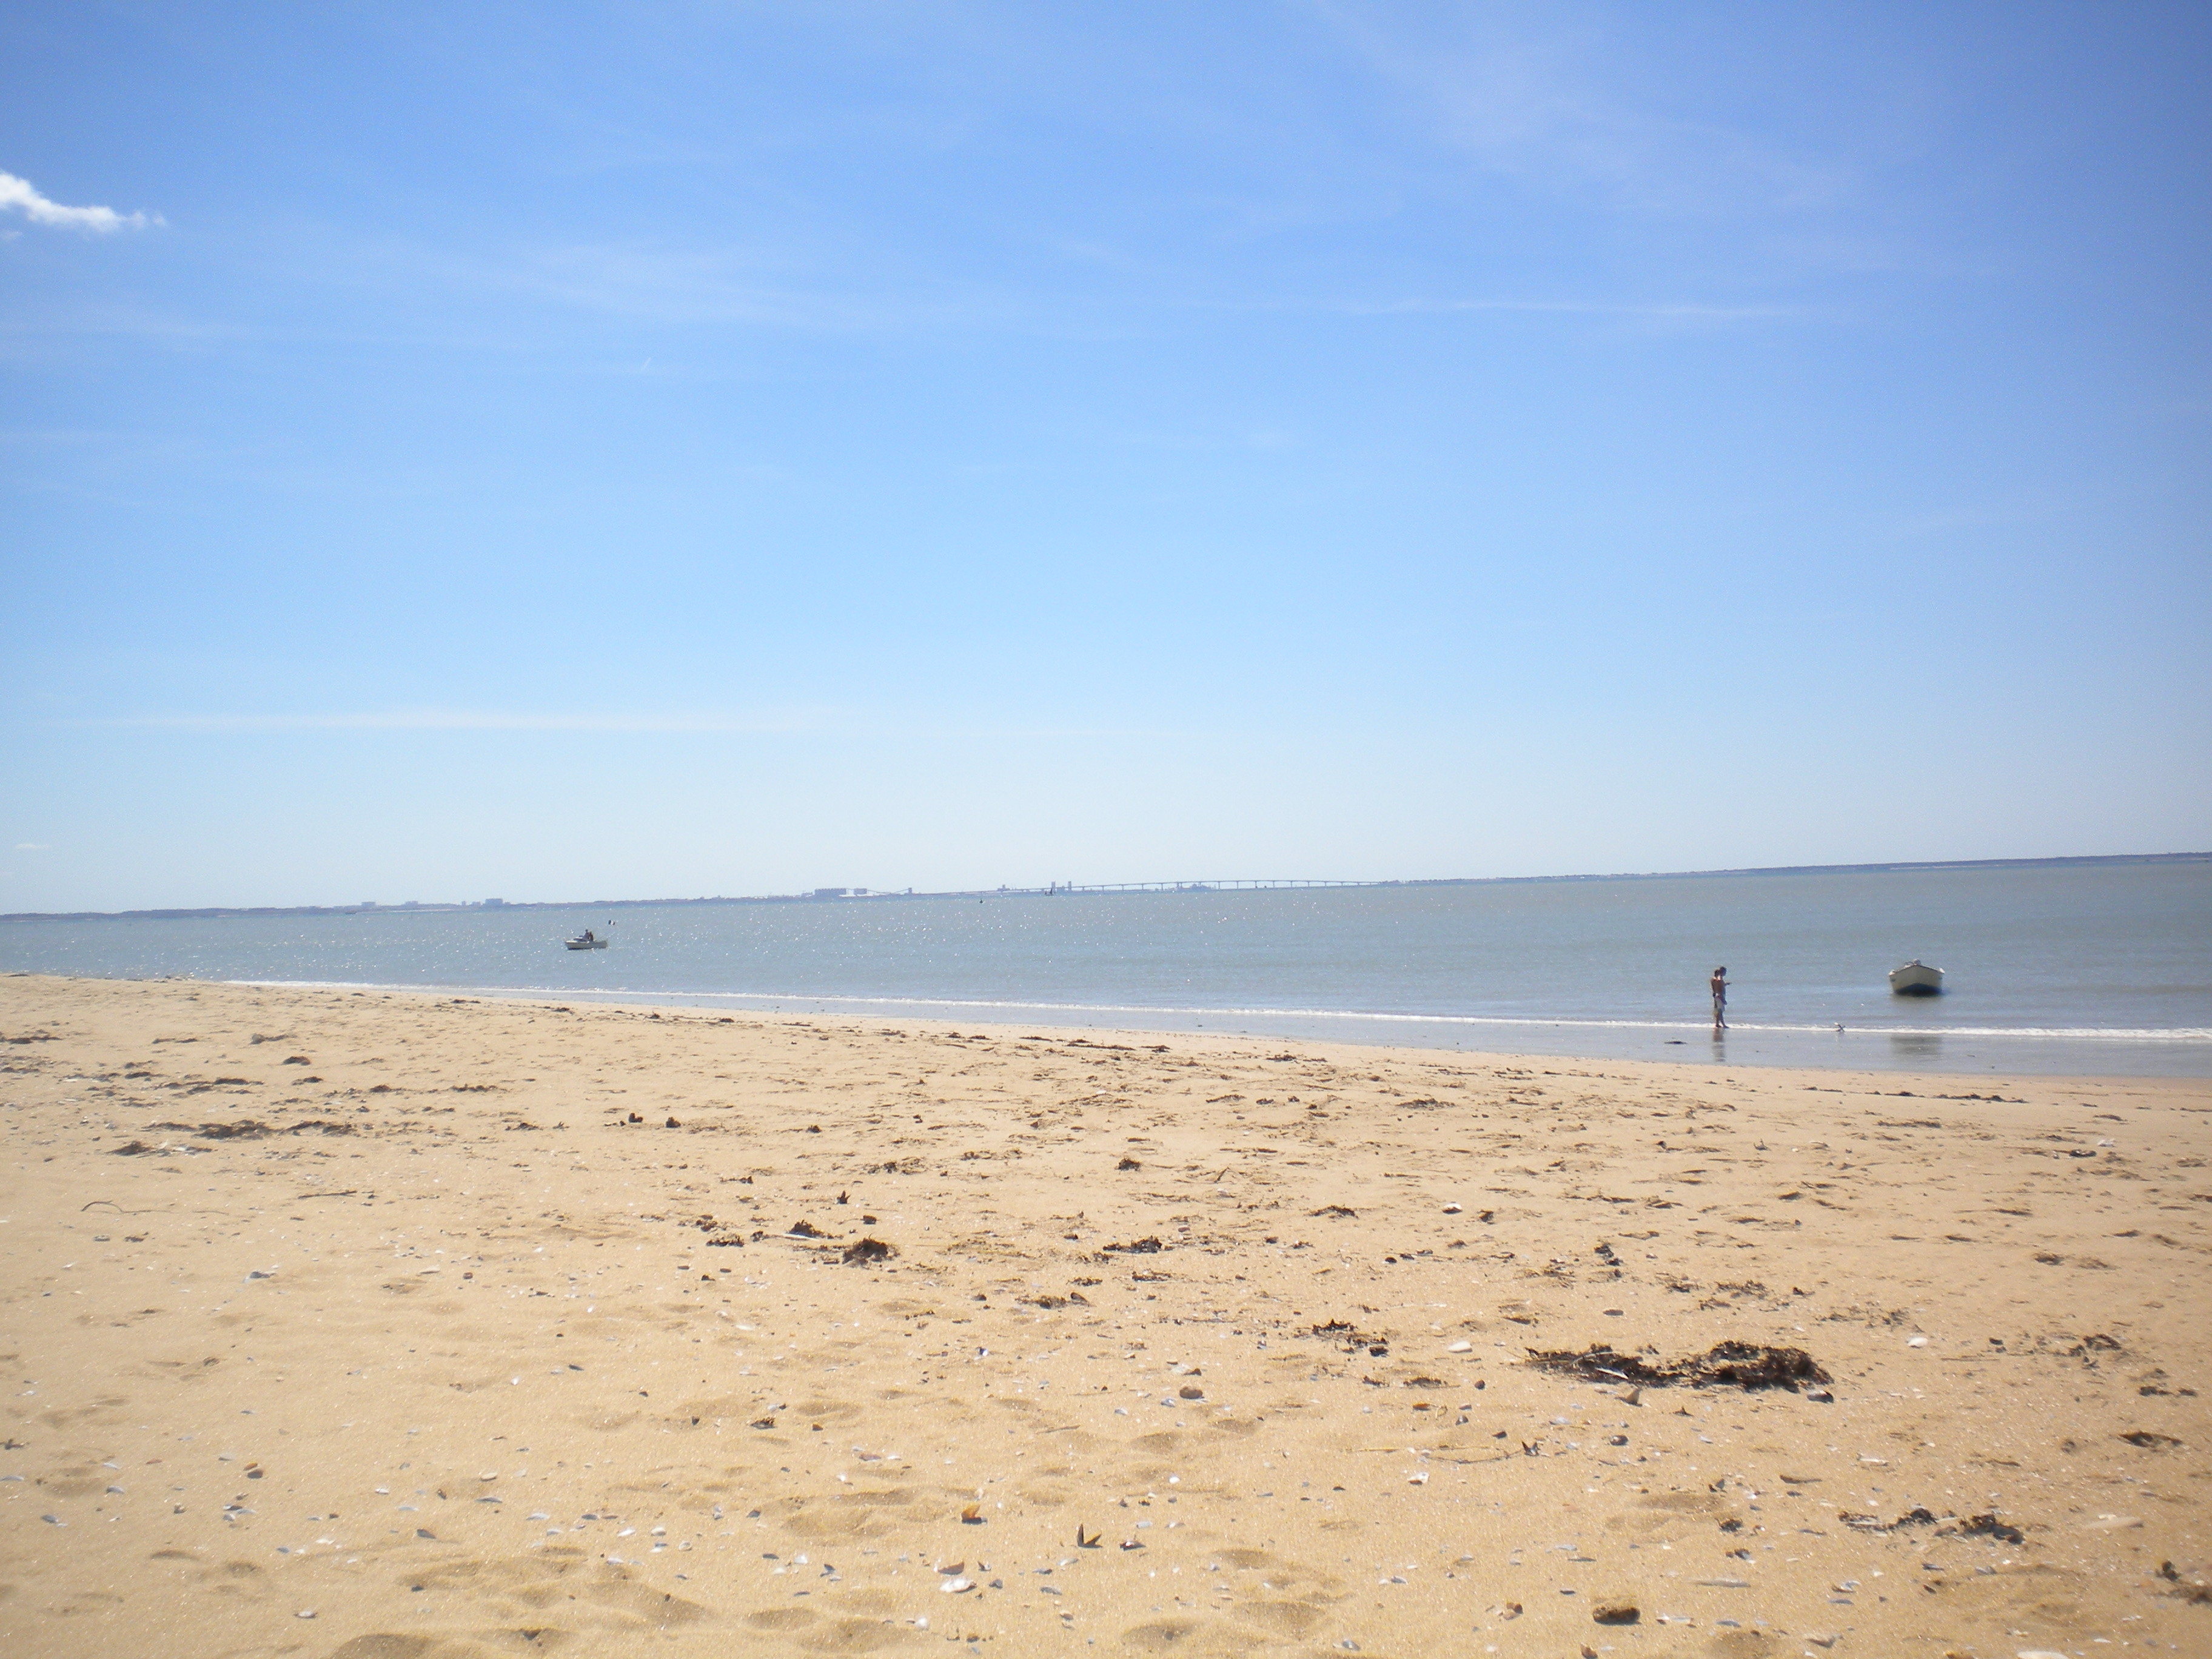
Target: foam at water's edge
(601, 994)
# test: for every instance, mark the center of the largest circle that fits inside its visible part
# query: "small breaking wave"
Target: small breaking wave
(705, 998)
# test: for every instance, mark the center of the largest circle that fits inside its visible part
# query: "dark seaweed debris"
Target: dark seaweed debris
(1138, 1247)
(252, 1129)
(2194, 1584)
(1980, 1526)
(1740, 1364)
(1918, 1517)
(1352, 1338)
(869, 1249)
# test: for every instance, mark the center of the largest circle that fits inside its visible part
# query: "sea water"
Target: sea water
(2055, 969)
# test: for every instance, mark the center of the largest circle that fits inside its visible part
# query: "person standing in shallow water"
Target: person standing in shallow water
(1720, 999)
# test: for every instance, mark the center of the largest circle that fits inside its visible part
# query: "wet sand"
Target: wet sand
(1257, 1317)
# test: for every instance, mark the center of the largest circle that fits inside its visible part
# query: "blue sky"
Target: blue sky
(597, 451)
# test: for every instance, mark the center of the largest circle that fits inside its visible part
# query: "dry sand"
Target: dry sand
(279, 1380)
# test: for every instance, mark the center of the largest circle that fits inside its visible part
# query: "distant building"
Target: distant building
(495, 904)
(830, 892)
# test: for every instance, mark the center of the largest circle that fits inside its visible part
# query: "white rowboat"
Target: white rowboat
(587, 941)
(1916, 979)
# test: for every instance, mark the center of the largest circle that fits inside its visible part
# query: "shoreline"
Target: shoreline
(805, 1012)
(2184, 1054)
(353, 1322)
(2063, 971)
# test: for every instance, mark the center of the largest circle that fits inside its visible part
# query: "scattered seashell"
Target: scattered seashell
(1460, 1347)
(955, 1586)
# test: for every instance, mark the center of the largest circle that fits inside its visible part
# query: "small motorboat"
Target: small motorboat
(1916, 979)
(587, 941)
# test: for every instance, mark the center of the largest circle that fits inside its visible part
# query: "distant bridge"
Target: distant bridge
(1239, 885)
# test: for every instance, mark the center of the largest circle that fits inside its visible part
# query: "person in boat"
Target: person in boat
(588, 936)
(1720, 999)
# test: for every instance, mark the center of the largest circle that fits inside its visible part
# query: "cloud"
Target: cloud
(33, 847)
(24, 197)
(817, 721)
(1657, 311)
(1569, 111)
(445, 720)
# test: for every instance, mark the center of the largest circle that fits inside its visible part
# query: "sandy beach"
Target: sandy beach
(866, 1337)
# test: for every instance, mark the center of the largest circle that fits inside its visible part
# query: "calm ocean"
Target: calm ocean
(2095, 969)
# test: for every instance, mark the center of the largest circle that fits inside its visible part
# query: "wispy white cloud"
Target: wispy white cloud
(750, 285)
(21, 196)
(449, 720)
(1678, 308)
(1657, 311)
(1566, 110)
(819, 721)
(33, 847)
(661, 285)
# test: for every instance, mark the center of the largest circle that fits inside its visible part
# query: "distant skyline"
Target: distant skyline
(690, 447)
(1109, 888)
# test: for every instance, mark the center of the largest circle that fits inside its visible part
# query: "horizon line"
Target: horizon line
(862, 894)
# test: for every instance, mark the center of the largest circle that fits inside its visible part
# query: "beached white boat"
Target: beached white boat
(587, 941)
(1916, 979)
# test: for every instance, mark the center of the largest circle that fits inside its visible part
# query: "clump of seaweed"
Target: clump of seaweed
(1915, 1517)
(1736, 1364)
